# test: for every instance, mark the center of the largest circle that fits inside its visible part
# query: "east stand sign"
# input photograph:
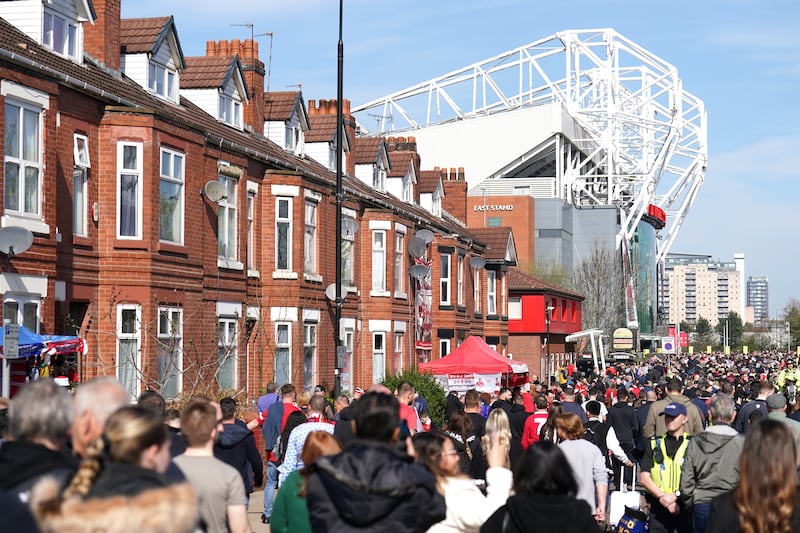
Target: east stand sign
(469, 380)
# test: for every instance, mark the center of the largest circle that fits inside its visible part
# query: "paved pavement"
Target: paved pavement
(254, 512)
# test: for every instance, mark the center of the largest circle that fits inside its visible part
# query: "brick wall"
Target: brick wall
(102, 40)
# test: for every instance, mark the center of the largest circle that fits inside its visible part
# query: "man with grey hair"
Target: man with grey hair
(711, 465)
(38, 427)
(92, 404)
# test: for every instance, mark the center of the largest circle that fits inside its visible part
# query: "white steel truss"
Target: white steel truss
(644, 137)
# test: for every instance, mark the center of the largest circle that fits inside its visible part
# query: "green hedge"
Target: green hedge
(427, 387)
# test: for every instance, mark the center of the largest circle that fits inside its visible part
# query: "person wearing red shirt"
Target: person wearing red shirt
(530, 432)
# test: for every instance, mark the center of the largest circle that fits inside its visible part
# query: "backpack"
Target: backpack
(295, 419)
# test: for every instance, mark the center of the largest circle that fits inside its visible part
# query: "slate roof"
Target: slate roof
(496, 240)
(366, 149)
(279, 105)
(521, 282)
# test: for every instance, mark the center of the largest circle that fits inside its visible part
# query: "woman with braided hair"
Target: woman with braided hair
(120, 484)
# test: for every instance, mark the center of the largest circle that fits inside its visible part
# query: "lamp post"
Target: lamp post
(547, 313)
(339, 355)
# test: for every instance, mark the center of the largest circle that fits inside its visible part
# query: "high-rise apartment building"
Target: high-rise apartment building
(758, 297)
(695, 285)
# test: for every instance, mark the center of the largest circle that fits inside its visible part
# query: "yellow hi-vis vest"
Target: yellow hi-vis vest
(667, 475)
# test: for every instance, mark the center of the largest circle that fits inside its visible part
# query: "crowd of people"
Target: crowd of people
(710, 441)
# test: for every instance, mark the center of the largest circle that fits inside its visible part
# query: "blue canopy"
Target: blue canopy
(30, 343)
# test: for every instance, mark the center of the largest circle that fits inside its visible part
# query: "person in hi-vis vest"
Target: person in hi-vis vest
(661, 474)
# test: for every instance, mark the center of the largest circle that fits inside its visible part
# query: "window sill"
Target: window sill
(253, 273)
(172, 248)
(400, 295)
(492, 317)
(34, 225)
(380, 294)
(479, 316)
(78, 240)
(284, 274)
(230, 264)
(446, 307)
(130, 244)
(313, 277)
(462, 308)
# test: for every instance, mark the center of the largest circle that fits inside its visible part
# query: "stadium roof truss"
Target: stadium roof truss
(645, 136)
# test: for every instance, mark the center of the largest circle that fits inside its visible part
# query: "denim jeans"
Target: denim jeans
(269, 488)
(701, 512)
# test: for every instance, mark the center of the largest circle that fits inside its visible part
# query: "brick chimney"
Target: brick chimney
(102, 40)
(247, 51)
(455, 193)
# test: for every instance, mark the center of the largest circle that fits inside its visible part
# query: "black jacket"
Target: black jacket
(622, 417)
(542, 512)
(236, 446)
(23, 463)
(517, 420)
(122, 479)
(343, 431)
(370, 486)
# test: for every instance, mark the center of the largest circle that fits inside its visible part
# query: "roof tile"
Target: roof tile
(138, 35)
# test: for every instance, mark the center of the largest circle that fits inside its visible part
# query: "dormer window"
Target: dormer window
(230, 110)
(408, 189)
(436, 205)
(161, 81)
(379, 178)
(60, 34)
(294, 139)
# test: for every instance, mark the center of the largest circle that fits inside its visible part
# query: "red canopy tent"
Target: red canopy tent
(474, 355)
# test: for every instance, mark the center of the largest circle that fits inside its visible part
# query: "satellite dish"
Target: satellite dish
(477, 262)
(15, 240)
(215, 191)
(417, 247)
(349, 226)
(425, 234)
(330, 292)
(419, 271)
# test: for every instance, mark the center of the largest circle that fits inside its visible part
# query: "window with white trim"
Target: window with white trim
(476, 289)
(491, 292)
(408, 189)
(80, 177)
(60, 34)
(170, 351)
(347, 371)
(162, 80)
(170, 202)
(310, 240)
(283, 233)
(227, 352)
(251, 230)
(503, 295)
(444, 280)
(227, 227)
(379, 178)
(378, 356)
(22, 157)
(230, 110)
(348, 255)
(399, 274)
(23, 310)
(515, 308)
(283, 352)
(460, 289)
(309, 355)
(129, 190)
(397, 363)
(444, 347)
(129, 342)
(379, 260)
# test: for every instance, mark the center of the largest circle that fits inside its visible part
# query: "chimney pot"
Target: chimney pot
(312, 107)
(346, 107)
(222, 48)
(211, 48)
(235, 47)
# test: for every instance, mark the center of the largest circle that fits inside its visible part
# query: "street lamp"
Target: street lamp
(547, 313)
(340, 349)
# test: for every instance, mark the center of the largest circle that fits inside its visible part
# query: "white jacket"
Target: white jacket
(467, 507)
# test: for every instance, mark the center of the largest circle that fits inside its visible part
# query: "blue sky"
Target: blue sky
(741, 57)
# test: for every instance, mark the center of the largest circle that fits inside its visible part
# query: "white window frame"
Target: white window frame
(227, 213)
(285, 375)
(444, 347)
(310, 215)
(348, 334)
(227, 351)
(132, 382)
(170, 351)
(69, 45)
(348, 256)
(162, 80)
(230, 110)
(251, 231)
(80, 179)
(379, 178)
(503, 295)
(445, 279)
(460, 287)
(136, 173)
(408, 189)
(309, 355)
(16, 308)
(476, 289)
(515, 308)
(22, 160)
(174, 176)
(281, 220)
(397, 358)
(378, 356)
(379, 261)
(399, 265)
(80, 151)
(491, 292)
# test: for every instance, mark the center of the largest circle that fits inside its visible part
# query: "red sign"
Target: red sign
(684, 337)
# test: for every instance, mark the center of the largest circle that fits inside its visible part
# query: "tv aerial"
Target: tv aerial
(215, 191)
(15, 240)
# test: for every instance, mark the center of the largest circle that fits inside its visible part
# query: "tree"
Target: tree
(600, 280)
(685, 326)
(427, 387)
(735, 329)
(791, 313)
(703, 334)
(550, 271)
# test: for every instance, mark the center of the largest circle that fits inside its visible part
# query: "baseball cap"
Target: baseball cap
(674, 409)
